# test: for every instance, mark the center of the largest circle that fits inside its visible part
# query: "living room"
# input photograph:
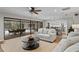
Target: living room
(48, 26)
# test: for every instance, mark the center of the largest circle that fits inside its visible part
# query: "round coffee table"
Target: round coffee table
(34, 46)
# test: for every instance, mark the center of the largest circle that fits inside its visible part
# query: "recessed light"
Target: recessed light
(55, 10)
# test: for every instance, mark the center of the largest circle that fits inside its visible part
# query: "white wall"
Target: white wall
(1, 28)
(72, 20)
(76, 19)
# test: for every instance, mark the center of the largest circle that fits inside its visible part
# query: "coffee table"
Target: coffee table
(35, 46)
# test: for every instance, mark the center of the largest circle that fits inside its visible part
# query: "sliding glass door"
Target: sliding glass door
(14, 27)
(11, 28)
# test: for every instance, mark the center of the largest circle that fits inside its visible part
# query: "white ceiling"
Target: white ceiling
(45, 14)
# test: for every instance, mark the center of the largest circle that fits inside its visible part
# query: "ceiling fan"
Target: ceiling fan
(33, 10)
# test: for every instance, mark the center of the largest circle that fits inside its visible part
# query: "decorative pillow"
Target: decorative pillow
(51, 31)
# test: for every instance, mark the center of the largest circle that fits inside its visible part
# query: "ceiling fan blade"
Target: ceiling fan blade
(35, 12)
(38, 10)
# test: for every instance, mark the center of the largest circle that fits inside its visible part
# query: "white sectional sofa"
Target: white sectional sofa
(73, 48)
(46, 34)
(71, 42)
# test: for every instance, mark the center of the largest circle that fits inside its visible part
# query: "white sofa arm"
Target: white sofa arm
(65, 43)
(73, 48)
(61, 46)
